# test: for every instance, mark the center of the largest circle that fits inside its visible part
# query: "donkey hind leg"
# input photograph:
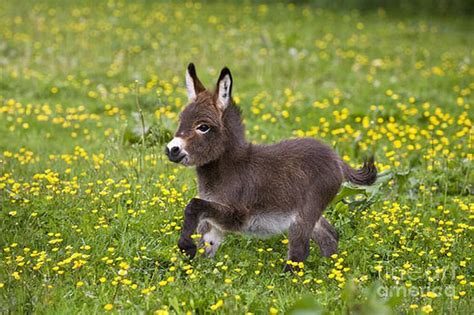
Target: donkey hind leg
(211, 238)
(298, 247)
(326, 236)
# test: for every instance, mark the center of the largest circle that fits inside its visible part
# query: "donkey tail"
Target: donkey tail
(363, 176)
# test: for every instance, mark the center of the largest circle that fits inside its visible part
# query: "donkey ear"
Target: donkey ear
(193, 85)
(224, 89)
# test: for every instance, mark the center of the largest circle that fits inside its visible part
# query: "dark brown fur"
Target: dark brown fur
(256, 189)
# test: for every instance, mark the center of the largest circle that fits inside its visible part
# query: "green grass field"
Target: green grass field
(90, 214)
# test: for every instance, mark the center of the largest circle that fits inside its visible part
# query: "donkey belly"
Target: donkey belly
(267, 224)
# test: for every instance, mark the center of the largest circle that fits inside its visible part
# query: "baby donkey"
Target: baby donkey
(254, 189)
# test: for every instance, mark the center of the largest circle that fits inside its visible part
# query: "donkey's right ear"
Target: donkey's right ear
(193, 85)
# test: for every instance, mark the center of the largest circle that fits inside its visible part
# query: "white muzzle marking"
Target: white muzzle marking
(181, 144)
(176, 142)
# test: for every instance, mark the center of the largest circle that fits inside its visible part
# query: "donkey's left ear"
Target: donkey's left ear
(193, 84)
(224, 89)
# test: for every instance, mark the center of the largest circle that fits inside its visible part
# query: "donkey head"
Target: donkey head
(203, 134)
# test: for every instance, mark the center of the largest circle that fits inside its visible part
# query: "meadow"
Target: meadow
(91, 209)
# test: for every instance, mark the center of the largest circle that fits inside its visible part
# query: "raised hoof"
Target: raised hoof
(187, 247)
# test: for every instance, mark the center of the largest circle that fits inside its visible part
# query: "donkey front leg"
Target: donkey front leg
(227, 217)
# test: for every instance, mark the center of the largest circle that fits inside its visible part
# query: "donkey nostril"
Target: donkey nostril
(175, 150)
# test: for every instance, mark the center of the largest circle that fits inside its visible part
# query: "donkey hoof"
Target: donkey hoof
(329, 252)
(190, 251)
(291, 268)
(328, 248)
(189, 248)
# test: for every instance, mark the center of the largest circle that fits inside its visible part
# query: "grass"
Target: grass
(90, 215)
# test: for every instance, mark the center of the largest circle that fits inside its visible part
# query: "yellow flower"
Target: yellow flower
(124, 265)
(108, 307)
(79, 284)
(273, 311)
(427, 309)
(217, 305)
(431, 295)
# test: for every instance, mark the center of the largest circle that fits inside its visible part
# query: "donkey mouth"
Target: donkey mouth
(178, 159)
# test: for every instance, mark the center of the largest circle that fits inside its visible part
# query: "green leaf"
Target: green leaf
(370, 193)
(308, 305)
(348, 190)
(174, 303)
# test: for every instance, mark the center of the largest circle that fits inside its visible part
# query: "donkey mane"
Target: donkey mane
(234, 127)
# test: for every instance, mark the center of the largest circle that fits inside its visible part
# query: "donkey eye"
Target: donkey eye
(203, 128)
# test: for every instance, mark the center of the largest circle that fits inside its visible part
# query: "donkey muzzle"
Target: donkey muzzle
(174, 150)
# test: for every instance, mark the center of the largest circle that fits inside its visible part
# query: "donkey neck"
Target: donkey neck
(215, 177)
(212, 175)
(233, 155)
(235, 151)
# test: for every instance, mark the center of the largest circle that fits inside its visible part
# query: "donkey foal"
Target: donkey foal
(254, 189)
